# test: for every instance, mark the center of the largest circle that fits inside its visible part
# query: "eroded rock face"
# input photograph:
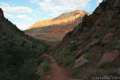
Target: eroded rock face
(98, 35)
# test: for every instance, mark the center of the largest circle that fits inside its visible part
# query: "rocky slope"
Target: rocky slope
(18, 52)
(92, 50)
(53, 30)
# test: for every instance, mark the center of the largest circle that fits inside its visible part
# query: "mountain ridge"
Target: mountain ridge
(53, 32)
(63, 18)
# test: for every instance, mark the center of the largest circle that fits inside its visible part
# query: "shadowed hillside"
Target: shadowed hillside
(52, 31)
(18, 52)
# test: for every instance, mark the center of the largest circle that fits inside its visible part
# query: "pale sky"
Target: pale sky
(24, 13)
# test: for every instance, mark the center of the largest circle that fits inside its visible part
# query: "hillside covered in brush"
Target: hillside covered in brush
(18, 52)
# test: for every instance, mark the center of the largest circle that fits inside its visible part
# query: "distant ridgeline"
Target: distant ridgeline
(53, 30)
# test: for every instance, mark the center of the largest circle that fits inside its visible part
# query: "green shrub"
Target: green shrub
(45, 66)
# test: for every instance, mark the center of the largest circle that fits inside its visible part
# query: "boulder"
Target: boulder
(109, 57)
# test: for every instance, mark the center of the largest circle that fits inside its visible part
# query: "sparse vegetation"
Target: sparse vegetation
(77, 27)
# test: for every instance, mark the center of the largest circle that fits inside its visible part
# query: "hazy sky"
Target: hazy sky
(23, 13)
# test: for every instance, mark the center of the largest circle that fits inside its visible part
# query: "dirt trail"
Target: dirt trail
(57, 72)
